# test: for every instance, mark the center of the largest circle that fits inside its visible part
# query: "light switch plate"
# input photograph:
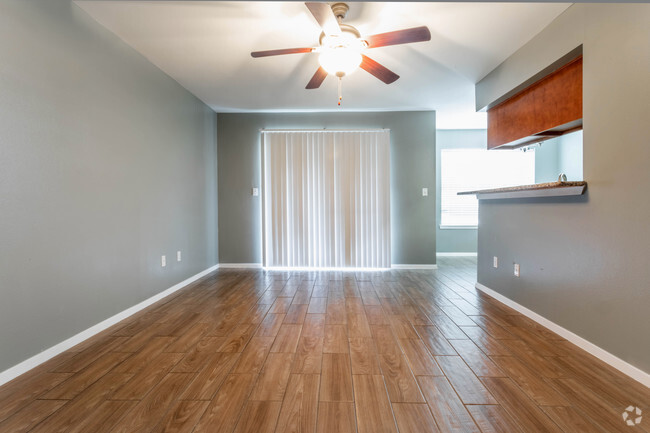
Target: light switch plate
(163, 261)
(178, 256)
(256, 192)
(425, 192)
(495, 262)
(516, 269)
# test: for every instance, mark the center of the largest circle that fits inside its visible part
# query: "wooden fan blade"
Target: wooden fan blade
(379, 71)
(325, 17)
(416, 34)
(268, 53)
(317, 79)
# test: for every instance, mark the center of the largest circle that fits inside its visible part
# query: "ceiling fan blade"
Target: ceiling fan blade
(325, 17)
(268, 53)
(317, 79)
(416, 34)
(379, 71)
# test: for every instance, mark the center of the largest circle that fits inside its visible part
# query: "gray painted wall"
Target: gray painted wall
(106, 163)
(570, 158)
(413, 218)
(456, 240)
(559, 155)
(584, 261)
(547, 161)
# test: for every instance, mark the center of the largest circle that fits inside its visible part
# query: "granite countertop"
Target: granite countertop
(537, 186)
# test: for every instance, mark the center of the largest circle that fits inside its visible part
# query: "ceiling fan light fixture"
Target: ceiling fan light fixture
(340, 61)
(341, 47)
(341, 54)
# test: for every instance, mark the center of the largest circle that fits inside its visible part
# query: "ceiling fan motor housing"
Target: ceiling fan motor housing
(340, 10)
(345, 28)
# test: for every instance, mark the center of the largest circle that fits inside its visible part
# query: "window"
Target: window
(474, 169)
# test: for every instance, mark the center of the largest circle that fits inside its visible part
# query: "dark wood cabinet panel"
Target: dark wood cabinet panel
(548, 108)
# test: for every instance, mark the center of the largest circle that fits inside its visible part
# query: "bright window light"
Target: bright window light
(475, 169)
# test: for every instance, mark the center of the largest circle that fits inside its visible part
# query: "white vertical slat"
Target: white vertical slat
(265, 226)
(382, 180)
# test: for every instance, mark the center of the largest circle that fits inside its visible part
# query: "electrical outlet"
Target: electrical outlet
(163, 261)
(495, 262)
(255, 192)
(516, 269)
(178, 256)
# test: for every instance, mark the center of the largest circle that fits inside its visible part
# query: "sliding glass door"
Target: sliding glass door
(326, 199)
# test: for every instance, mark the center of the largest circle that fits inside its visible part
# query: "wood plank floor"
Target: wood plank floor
(397, 351)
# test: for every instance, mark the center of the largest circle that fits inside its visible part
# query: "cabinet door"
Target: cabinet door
(550, 103)
(512, 120)
(559, 97)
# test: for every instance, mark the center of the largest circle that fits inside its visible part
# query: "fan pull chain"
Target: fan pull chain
(340, 92)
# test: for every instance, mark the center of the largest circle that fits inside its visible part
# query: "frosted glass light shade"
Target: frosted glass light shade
(341, 55)
(340, 60)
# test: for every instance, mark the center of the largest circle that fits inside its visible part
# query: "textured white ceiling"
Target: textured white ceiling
(206, 45)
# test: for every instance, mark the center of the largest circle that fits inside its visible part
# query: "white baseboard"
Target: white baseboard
(456, 254)
(414, 266)
(240, 265)
(51, 352)
(622, 366)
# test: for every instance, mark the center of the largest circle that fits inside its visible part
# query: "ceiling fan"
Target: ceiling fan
(341, 46)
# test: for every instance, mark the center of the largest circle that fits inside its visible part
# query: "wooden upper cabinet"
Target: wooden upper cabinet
(545, 109)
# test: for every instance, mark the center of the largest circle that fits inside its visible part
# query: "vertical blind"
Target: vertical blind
(326, 199)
